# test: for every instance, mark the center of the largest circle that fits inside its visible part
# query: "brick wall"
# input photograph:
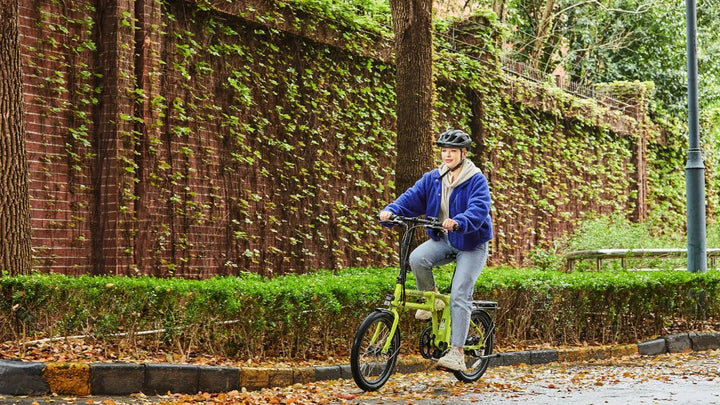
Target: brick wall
(133, 170)
(59, 178)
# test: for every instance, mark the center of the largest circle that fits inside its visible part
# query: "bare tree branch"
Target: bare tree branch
(640, 9)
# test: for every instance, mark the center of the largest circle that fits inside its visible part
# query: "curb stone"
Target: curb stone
(19, 377)
(652, 347)
(702, 341)
(67, 378)
(117, 378)
(543, 356)
(178, 378)
(678, 343)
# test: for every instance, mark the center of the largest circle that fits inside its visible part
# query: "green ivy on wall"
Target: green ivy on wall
(268, 146)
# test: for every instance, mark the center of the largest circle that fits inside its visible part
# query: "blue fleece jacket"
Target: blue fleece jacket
(469, 207)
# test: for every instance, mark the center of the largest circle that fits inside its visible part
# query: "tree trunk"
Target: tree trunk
(545, 24)
(498, 6)
(15, 255)
(412, 23)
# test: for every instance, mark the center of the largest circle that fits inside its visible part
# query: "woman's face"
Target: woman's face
(451, 156)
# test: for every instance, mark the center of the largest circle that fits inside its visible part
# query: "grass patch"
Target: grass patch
(616, 232)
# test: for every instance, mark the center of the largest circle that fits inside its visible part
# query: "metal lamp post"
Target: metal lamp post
(695, 168)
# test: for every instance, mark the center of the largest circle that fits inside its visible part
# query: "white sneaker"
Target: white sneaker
(423, 315)
(453, 360)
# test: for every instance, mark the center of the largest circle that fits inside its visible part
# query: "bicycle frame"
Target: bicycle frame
(440, 323)
(399, 299)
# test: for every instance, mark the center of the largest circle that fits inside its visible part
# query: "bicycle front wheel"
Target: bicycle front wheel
(371, 365)
(481, 338)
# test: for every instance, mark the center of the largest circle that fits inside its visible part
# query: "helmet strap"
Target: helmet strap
(459, 165)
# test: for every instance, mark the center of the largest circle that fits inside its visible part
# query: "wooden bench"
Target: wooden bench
(601, 254)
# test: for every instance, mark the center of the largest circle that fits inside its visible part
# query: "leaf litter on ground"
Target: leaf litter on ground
(507, 381)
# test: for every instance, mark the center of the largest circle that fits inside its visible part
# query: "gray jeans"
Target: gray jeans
(470, 264)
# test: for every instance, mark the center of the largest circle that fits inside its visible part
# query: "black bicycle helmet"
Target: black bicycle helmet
(454, 138)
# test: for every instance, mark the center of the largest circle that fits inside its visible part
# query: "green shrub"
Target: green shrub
(303, 315)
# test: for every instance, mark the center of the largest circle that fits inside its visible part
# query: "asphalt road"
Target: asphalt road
(688, 378)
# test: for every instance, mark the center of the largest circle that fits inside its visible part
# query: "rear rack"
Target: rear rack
(492, 305)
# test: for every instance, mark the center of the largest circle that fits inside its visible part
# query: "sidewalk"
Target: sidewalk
(80, 379)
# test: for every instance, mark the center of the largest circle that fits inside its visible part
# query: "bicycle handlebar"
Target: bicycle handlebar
(430, 222)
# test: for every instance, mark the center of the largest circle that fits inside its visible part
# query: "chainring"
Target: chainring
(427, 340)
(428, 348)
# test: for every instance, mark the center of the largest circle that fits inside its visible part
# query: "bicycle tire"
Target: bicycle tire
(371, 368)
(481, 329)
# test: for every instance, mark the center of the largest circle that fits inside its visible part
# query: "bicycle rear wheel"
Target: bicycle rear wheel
(371, 367)
(481, 332)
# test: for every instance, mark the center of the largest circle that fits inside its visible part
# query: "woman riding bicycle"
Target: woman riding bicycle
(457, 193)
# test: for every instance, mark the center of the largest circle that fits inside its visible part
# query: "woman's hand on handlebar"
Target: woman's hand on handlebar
(450, 224)
(385, 215)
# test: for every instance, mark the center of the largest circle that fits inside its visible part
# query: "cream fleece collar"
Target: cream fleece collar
(467, 171)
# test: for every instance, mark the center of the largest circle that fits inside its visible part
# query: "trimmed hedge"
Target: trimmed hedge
(298, 315)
